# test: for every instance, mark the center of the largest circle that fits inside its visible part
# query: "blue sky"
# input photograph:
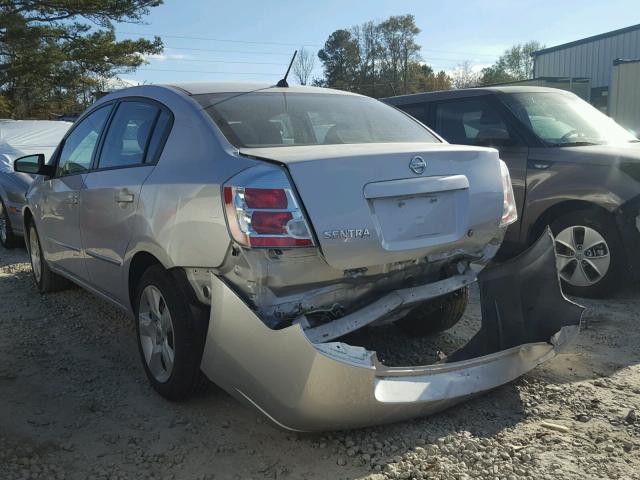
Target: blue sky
(252, 40)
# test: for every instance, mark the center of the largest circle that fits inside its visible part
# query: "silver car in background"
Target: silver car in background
(19, 138)
(249, 228)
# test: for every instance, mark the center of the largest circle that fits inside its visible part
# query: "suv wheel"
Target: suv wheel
(435, 315)
(7, 238)
(168, 336)
(590, 256)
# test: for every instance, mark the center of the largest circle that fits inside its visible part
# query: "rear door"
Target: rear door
(128, 153)
(60, 217)
(482, 121)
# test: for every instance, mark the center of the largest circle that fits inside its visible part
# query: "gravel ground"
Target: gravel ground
(74, 404)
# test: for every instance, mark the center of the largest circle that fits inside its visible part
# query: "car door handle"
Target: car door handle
(124, 196)
(539, 165)
(71, 200)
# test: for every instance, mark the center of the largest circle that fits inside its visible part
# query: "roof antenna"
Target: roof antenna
(283, 83)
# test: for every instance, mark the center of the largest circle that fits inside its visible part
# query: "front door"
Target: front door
(480, 121)
(112, 190)
(60, 218)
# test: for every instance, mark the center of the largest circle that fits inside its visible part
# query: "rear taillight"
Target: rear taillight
(262, 216)
(509, 210)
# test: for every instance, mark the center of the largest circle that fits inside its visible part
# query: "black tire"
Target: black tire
(606, 227)
(47, 281)
(435, 315)
(7, 238)
(187, 338)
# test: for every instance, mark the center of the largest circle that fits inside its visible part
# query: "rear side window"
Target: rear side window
(276, 119)
(159, 136)
(77, 152)
(474, 121)
(128, 136)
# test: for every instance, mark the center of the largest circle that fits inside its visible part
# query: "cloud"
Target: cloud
(116, 83)
(166, 56)
(475, 68)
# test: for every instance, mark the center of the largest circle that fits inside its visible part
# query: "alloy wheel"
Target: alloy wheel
(156, 333)
(34, 253)
(583, 256)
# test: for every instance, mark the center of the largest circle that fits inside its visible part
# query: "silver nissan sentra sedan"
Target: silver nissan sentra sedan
(249, 228)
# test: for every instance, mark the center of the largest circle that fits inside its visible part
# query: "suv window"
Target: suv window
(77, 152)
(128, 135)
(416, 110)
(472, 122)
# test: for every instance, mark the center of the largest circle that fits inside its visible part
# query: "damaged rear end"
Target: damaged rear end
(331, 239)
(322, 232)
(306, 385)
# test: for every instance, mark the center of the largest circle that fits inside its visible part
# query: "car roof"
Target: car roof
(465, 92)
(198, 88)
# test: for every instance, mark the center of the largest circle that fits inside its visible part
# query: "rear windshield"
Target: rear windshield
(275, 119)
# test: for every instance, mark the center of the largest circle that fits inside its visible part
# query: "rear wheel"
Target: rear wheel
(45, 279)
(590, 255)
(7, 237)
(435, 315)
(169, 336)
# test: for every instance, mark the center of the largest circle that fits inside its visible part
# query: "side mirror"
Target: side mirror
(34, 165)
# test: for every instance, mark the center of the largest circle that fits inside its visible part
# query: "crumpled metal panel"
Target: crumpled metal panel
(304, 386)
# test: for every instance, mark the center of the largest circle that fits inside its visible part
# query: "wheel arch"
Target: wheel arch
(555, 211)
(27, 217)
(140, 262)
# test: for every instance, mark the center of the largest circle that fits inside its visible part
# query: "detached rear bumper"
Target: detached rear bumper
(304, 386)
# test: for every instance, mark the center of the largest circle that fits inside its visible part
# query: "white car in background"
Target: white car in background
(17, 139)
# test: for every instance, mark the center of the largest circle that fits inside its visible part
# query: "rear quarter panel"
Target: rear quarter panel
(180, 211)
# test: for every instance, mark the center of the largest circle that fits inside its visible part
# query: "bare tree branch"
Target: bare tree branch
(303, 66)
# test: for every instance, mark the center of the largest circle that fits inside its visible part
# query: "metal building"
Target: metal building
(591, 58)
(624, 96)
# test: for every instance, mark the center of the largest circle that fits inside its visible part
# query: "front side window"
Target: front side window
(126, 140)
(270, 119)
(563, 119)
(474, 121)
(78, 148)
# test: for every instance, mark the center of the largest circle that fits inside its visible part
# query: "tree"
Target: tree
(370, 50)
(426, 80)
(377, 59)
(399, 47)
(516, 63)
(464, 77)
(303, 66)
(50, 61)
(340, 58)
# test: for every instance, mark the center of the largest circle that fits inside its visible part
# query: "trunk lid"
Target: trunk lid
(369, 207)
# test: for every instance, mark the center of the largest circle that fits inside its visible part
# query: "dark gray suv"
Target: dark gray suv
(572, 168)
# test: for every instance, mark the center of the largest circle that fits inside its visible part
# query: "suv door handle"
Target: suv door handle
(539, 164)
(124, 196)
